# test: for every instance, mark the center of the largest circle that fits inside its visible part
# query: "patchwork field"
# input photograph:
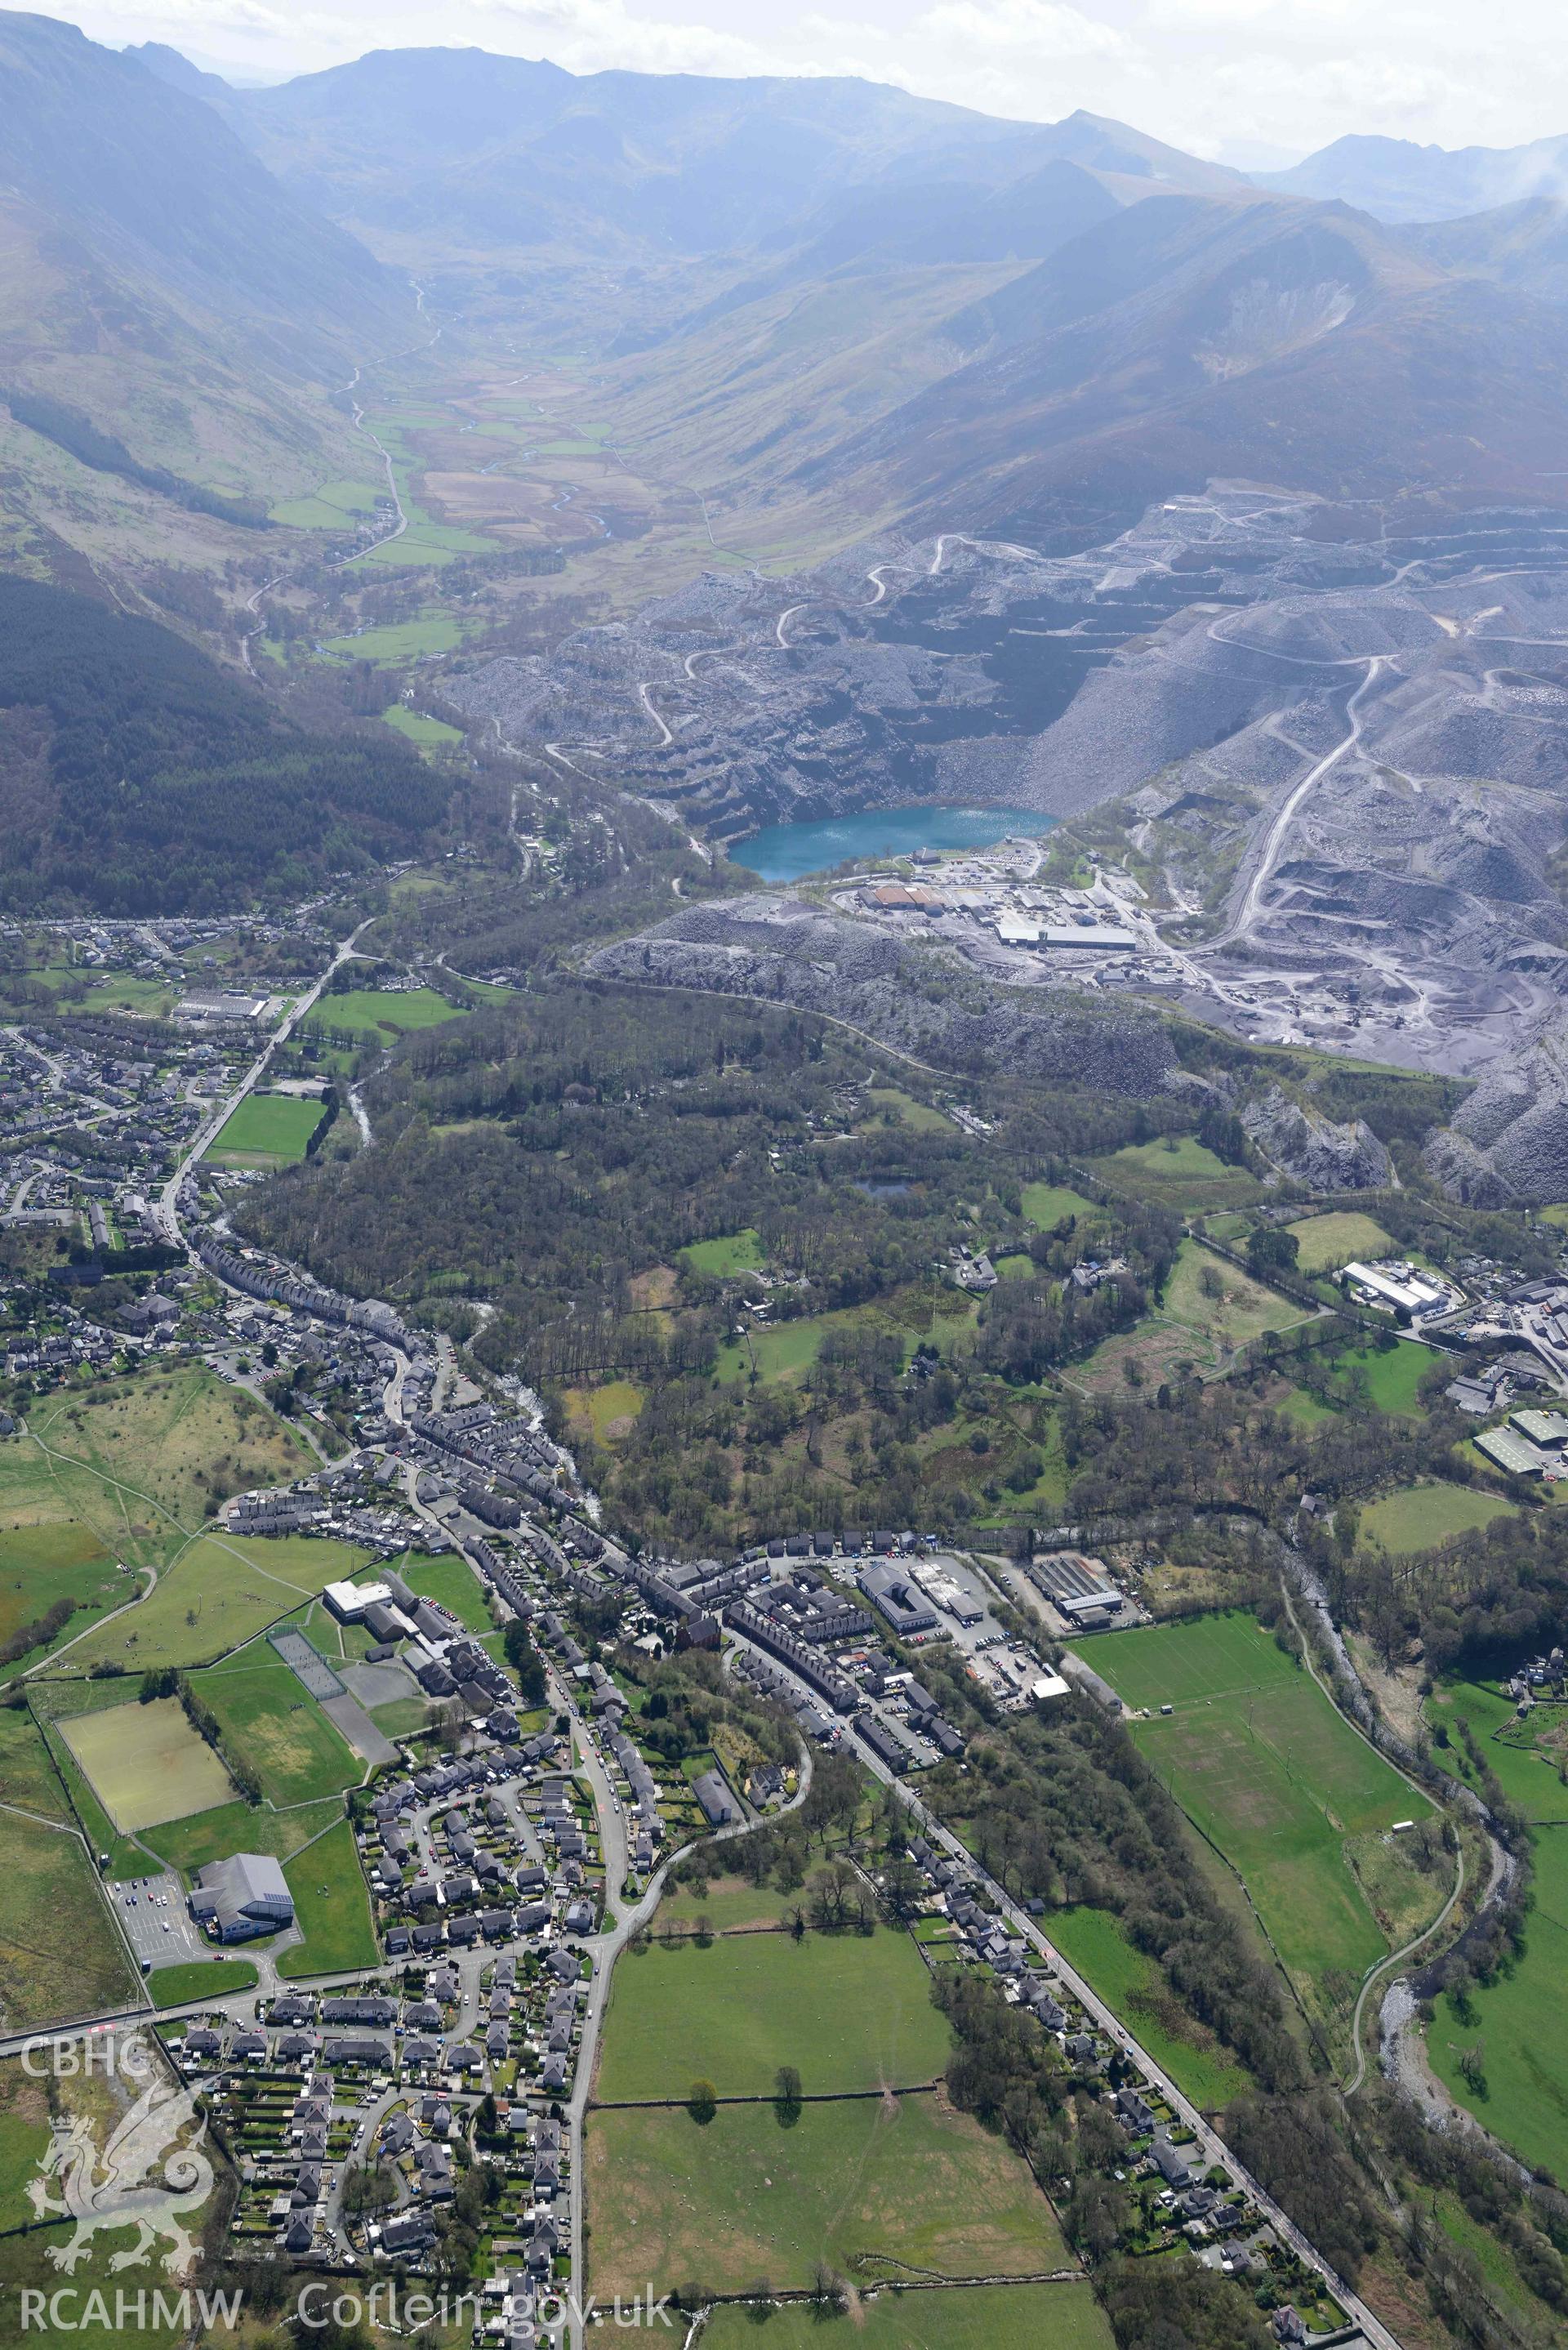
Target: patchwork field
(146, 1764)
(850, 2012)
(862, 2183)
(1529, 1757)
(1209, 1311)
(334, 506)
(985, 2317)
(267, 1130)
(1266, 1767)
(1423, 1516)
(1325, 1242)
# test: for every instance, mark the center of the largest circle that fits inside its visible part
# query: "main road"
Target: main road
(168, 1207)
(1211, 2145)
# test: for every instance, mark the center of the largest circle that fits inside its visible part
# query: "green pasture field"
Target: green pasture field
(1245, 1311)
(330, 506)
(1129, 1980)
(1527, 1756)
(1325, 1242)
(200, 1978)
(862, 2183)
(30, 1781)
(146, 1764)
(729, 1902)
(270, 1723)
(1423, 1516)
(788, 1349)
(380, 1015)
(605, 1407)
(1393, 1374)
(402, 1717)
(190, 1845)
(434, 631)
(1305, 1409)
(60, 1951)
(452, 1584)
(1188, 1177)
(40, 1564)
(429, 734)
(1048, 1204)
(730, 1253)
(892, 1101)
(1264, 1766)
(331, 1906)
(1063, 2317)
(1516, 2026)
(135, 1464)
(850, 2012)
(266, 1131)
(218, 1592)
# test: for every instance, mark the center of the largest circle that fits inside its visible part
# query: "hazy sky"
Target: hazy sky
(1249, 80)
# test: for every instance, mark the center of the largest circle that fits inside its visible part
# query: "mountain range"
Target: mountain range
(819, 291)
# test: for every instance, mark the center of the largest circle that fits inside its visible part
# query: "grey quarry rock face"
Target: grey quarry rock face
(1313, 1151)
(1362, 714)
(780, 949)
(1509, 1142)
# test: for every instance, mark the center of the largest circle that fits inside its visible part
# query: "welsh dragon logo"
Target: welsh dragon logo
(147, 2180)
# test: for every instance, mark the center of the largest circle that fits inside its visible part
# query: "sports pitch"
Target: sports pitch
(849, 2012)
(146, 1764)
(270, 1724)
(1263, 1766)
(266, 1131)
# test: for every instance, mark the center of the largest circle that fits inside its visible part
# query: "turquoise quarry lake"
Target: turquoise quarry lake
(784, 851)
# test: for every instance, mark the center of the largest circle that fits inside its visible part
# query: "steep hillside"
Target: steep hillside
(1522, 245)
(159, 190)
(1187, 339)
(137, 777)
(171, 321)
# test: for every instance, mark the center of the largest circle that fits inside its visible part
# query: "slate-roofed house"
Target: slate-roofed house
(719, 1807)
(1171, 2163)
